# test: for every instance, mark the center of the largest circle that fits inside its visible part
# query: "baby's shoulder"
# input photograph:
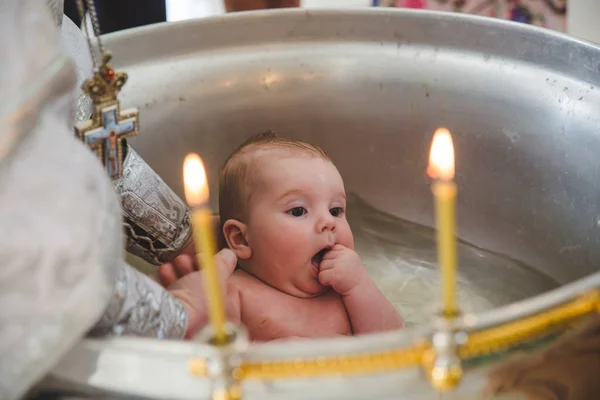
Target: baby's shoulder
(239, 275)
(243, 280)
(252, 289)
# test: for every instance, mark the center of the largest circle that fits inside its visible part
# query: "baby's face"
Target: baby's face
(297, 210)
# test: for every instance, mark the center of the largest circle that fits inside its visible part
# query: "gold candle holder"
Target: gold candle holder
(441, 168)
(197, 195)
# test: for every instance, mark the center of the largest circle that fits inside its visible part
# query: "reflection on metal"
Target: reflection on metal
(223, 367)
(523, 119)
(471, 347)
(524, 331)
(441, 360)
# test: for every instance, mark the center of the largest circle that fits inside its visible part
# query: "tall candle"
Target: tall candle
(441, 168)
(197, 195)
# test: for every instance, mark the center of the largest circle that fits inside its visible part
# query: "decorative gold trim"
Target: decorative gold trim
(501, 337)
(343, 365)
(102, 88)
(96, 124)
(320, 366)
(484, 342)
(106, 83)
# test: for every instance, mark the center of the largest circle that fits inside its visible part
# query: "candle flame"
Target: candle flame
(441, 156)
(194, 179)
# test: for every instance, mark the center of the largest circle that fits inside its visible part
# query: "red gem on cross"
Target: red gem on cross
(109, 74)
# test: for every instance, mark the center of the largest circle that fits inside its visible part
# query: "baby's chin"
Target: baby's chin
(303, 290)
(309, 289)
(304, 287)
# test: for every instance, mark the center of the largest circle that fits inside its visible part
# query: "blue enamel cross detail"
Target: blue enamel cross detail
(105, 132)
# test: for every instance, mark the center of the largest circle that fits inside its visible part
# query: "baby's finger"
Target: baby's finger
(326, 277)
(325, 265)
(184, 264)
(167, 274)
(331, 254)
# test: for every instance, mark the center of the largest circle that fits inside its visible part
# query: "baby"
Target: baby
(283, 207)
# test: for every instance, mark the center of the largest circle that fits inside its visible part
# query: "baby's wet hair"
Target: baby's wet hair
(235, 176)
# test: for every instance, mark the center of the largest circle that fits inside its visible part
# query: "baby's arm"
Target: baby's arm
(367, 307)
(369, 310)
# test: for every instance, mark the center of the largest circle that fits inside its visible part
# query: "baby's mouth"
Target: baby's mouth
(317, 258)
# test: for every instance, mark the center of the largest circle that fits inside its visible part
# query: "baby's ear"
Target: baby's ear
(235, 236)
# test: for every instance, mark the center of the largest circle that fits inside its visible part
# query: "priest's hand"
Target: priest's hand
(185, 284)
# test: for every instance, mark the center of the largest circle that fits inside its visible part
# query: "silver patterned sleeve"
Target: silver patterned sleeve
(157, 228)
(156, 221)
(141, 307)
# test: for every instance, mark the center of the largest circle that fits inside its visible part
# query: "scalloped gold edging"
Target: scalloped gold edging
(480, 343)
(505, 336)
(343, 365)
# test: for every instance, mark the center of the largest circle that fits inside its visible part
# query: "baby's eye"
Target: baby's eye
(336, 211)
(297, 211)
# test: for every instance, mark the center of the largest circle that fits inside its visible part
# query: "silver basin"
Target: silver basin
(371, 86)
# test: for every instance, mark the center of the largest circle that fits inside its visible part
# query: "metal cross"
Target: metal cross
(105, 132)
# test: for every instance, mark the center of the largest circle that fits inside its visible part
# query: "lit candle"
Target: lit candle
(197, 195)
(441, 168)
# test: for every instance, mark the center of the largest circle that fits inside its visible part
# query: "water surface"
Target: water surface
(401, 258)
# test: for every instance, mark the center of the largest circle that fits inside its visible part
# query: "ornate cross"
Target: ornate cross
(105, 132)
(108, 127)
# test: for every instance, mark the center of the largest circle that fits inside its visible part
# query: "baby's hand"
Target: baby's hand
(341, 269)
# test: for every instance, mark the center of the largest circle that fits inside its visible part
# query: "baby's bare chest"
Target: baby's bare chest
(270, 315)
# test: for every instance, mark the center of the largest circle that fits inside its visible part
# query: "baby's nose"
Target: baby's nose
(325, 223)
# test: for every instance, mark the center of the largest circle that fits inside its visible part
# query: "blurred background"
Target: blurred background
(576, 17)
